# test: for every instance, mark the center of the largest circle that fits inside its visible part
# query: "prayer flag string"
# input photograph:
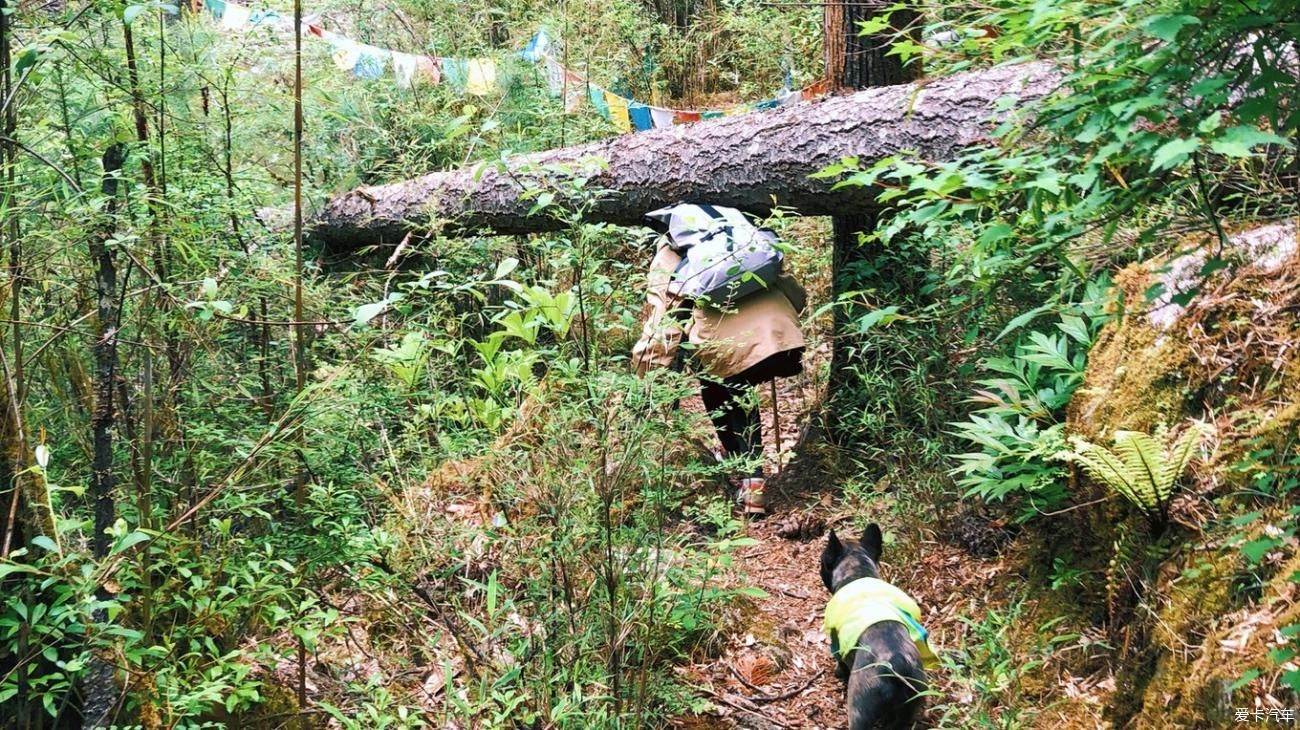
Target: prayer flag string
(481, 77)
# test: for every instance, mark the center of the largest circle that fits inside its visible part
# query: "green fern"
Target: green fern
(1141, 467)
(1119, 584)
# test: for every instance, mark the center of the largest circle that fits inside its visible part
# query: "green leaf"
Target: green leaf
(1255, 550)
(367, 312)
(1049, 181)
(7, 569)
(131, 12)
(130, 540)
(544, 200)
(44, 542)
(1167, 27)
(1213, 264)
(506, 267)
(1211, 123)
(995, 233)
(874, 25)
(1022, 320)
(883, 316)
(1174, 153)
(1238, 141)
(1246, 519)
(26, 59)
(1246, 679)
(1075, 328)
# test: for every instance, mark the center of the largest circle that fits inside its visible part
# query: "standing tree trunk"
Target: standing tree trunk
(99, 690)
(105, 350)
(855, 61)
(11, 452)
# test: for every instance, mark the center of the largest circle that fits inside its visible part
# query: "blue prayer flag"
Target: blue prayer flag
(640, 114)
(456, 71)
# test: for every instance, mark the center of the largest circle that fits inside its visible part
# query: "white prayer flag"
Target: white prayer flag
(235, 17)
(661, 117)
(403, 68)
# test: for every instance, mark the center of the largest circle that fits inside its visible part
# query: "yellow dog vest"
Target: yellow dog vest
(869, 601)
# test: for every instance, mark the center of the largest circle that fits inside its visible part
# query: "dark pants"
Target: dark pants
(739, 426)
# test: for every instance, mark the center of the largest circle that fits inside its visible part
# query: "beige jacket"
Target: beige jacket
(726, 342)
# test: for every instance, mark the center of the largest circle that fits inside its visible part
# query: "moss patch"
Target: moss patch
(1231, 356)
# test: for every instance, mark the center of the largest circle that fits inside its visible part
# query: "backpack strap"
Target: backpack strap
(711, 212)
(726, 227)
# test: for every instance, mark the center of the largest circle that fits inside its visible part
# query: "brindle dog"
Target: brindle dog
(884, 672)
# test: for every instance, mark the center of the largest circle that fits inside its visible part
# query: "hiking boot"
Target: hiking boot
(751, 497)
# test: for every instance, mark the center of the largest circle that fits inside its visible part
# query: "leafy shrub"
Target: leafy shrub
(1019, 425)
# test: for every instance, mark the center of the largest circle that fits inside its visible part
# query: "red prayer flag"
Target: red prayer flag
(430, 67)
(685, 117)
(815, 90)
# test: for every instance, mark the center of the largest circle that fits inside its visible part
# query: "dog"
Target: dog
(886, 666)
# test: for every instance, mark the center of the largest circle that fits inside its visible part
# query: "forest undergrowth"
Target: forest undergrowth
(245, 485)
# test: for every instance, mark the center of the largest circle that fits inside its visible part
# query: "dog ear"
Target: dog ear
(833, 545)
(873, 541)
(830, 558)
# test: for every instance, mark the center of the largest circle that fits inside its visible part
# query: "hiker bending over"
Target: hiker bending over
(718, 278)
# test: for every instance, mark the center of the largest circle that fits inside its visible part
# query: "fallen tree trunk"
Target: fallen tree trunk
(751, 162)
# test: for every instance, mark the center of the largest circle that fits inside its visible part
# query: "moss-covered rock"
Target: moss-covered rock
(1224, 347)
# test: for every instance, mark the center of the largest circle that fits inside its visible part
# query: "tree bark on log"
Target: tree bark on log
(750, 161)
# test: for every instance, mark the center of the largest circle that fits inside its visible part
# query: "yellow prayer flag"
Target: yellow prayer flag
(480, 76)
(618, 112)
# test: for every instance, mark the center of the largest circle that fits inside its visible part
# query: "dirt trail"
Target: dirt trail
(778, 673)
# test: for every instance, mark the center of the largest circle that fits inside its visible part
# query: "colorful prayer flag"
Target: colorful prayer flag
(815, 90)
(574, 91)
(554, 77)
(661, 117)
(371, 61)
(429, 68)
(345, 51)
(640, 115)
(618, 112)
(235, 17)
(597, 96)
(264, 17)
(480, 76)
(454, 70)
(536, 47)
(403, 69)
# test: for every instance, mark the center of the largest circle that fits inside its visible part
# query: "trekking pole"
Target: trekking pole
(776, 427)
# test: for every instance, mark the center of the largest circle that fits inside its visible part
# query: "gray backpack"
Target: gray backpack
(725, 258)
